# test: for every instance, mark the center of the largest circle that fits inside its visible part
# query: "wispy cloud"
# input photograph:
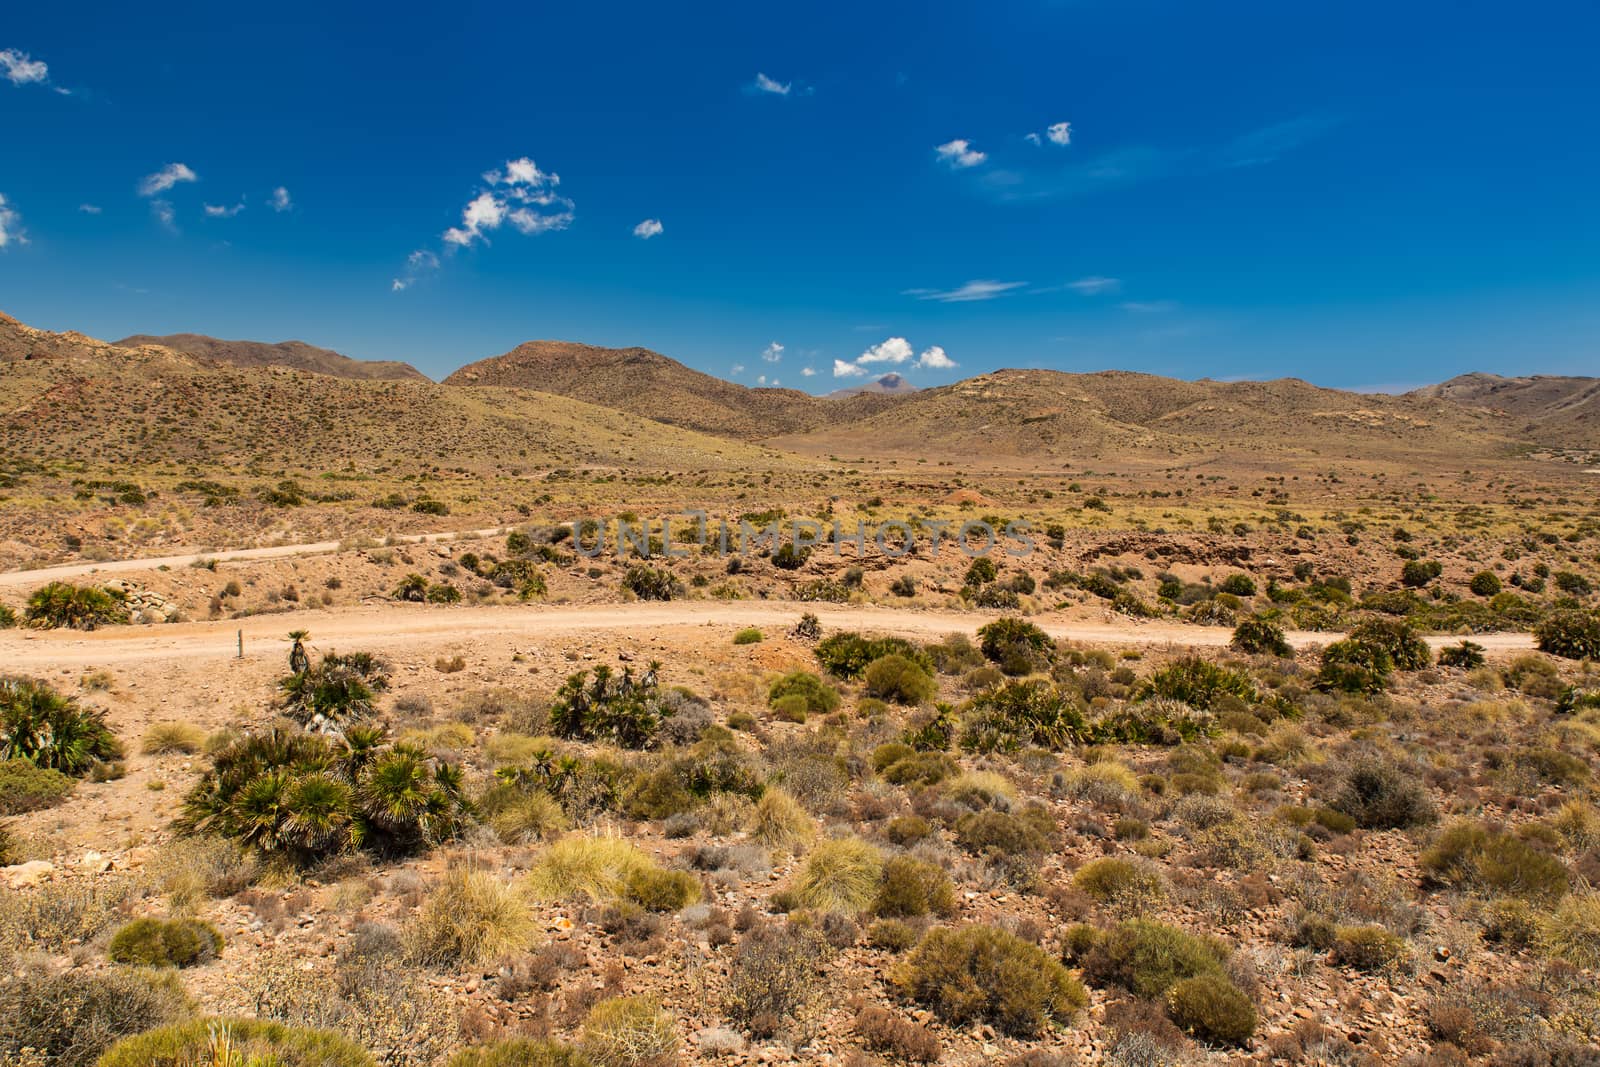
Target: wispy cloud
(959, 154)
(1148, 307)
(222, 211)
(808, 372)
(19, 68)
(89, 209)
(1094, 285)
(164, 214)
(280, 200)
(518, 194)
(772, 86)
(165, 178)
(10, 225)
(772, 353)
(647, 229)
(418, 263)
(978, 289)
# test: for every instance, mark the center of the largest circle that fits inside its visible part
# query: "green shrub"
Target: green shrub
(1002, 833)
(168, 738)
(1417, 573)
(628, 1032)
(1472, 855)
(911, 888)
(49, 730)
(70, 1017)
(25, 787)
(654, 889)
(1381, 796)
(1199, 683)
(1466, 656)
(75, 607)
(819, 697)
(1238, 585)
(1112, 879)
(896, 678)
(165, 943)
(1015, 645)
(779, 822)
(983, 974)
(846, 654)
(750, 635)
(1212, 1009)
(617, 710)
(907, 830)
(1572, 931)
(1147, 958)
(236, 1043)
(1485, 583)
(1352, 667)
(652, 583)
(791, 708)
(1397, 638)
(1030, 713)
(839, 875)
(919, 768)
(1368, 948)
(340, 689)
(1570, 634)
(1257, 636)
(8, 617)
(306, 796)
(520, 1052)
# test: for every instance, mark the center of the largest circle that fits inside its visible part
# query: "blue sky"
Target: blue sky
(1363, 195)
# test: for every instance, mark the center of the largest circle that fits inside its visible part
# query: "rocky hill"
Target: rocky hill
(293, 354)
(1559, 412)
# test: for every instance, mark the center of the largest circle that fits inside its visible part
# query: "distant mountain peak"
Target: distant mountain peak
(294, 354)
(890, 383)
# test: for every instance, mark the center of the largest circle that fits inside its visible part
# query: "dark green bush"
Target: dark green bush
(1396, 637)
(1485, 583)
(234, 1042)
(60, 604)
(307, 796)
(1353, 667)
(1472, 855)
(165, 943)
(1025, 713)
(340, 689)
(819, 697)
(1258, 636)
(1147, 958)
(618, 710)
(1466, 655)
(1570, 634)
(1031, 831)
(983, 974)
(652, 583)
(896, 678)
(1417, 572)
(1238, 585)
(1199, 683)
(25, 787)
(1116, 879)
(1212, 1009)
(49, 730)
(1381, 796)
(846, 654)
(1015, 645)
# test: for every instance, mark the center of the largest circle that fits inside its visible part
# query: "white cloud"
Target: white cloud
(166, 178)
(761, 379)
(737, 369)
(894, 350)
(772, 353)
(1094, 285)
(417, 263)
(764, 84)
(647, 229)
(808, 372)
(222, 211)
(934, 358)
(280, 200)
(1060, 133)
(960, 154)
(89, 209)
(10, 225)
(512, 195)
(978, 289)
(1148, 307)
(20, 68)
(841, 369)
(162, 210)
(1031, 138)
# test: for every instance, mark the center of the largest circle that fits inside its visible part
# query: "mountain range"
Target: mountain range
(82, 398)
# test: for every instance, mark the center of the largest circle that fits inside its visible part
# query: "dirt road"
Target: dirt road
(398, 627)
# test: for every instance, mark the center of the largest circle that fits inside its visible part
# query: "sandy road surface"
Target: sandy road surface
(397, 627)
(14, 579)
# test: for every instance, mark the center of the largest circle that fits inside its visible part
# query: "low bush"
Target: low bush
(1352, 667)
(819, 698)
(1123, 882)
(236, 1043)
(1464, 656)
(519, 1052)
(1147, 958)
(780, 823)
(846, 654)
(775, 976)
(1396, 638)
(654, 889)
(1473, 855)
(75, 607)
(628, 1032)
(168, 738)
(1015, 645)
(337, 691)
(839, 875)
(911, 888)
(1029, 832)
(1572, 931)
(899, 679)
(1572, 634)
(1021, 714)
(652, 583)
(70, 1017)
(469, 917)
(881, 1030)
(984, 974)
(1382, 796)
(165, 943)
(25, 787)
(750, 635)
(1212, 1009)
(616, 709)
(1368, 948)
(49, 730)
(1257, 636)
(1198, 683)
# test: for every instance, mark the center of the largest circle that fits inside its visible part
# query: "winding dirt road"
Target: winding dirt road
(398, 627)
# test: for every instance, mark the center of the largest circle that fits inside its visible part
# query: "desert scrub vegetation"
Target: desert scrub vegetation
(1257, 635)
(1571, 634)
(847, 654)
(839, 875)
(1473, 855)
(815, 696)
(77, 607)
(607, 869)
(779, 822)
(25, 787)
(652, 583)
(629, 1032)
(1379, 795)
(898, 679)
(168, 738)
(520, 1052)
(1211, 1008)
(153, 942)
(307, 796)
(339, 690)
(983, 974)
(71, 1017)
(49, 730)
(1017, 714)
(1015, 645)
(774, 978)
(235, 1043)
(615, 709)
(469, 917)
